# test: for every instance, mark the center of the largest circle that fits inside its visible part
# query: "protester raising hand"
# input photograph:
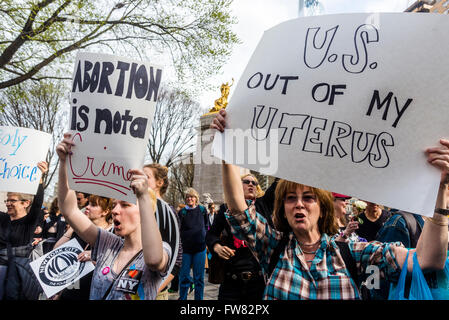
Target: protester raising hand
(304, 223)
(129, 249)
(65, 147)
(439, 157)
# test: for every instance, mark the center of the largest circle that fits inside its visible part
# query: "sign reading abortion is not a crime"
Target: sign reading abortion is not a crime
(113, 100)
(20, 151)
(350, 101)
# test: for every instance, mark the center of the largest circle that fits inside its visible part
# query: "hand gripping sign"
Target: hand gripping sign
(20, 151)
(60, 268)
(113, 100)
(350, 101)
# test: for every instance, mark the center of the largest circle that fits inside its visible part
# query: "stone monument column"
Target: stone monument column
(207, 172)
(207, 175)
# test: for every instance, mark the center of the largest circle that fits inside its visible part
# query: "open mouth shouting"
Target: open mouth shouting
(300, 217)
(117, 225)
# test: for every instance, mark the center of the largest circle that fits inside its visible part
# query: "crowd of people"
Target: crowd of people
(290, 241)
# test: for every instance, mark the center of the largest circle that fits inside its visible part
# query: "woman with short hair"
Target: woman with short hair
(194, 225)
(17, 227)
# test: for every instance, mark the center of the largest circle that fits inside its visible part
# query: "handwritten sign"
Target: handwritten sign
(60, 268)
(347, 103)
(20, 151)
(113, 101)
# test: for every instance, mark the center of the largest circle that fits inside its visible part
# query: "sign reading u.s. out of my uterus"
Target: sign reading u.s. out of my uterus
(113, 100)
(347, 103)
(20, 151)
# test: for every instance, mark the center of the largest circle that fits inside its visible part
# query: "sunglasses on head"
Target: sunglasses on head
(254, 183)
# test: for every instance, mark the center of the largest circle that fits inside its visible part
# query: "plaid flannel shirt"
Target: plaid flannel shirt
(327, 278)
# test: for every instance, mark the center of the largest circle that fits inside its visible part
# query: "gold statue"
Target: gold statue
(222, 102)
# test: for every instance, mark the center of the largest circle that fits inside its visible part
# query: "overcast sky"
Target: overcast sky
(256, 16)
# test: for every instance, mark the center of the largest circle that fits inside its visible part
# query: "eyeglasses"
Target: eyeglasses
(254, 183)
(11, 201)
(293, 199)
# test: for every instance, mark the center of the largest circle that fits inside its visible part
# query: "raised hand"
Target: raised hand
(65, 147)
(139, 182)
(439, 157)
(219, 122)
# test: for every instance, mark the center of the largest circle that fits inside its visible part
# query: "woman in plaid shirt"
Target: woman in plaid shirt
(311, 265)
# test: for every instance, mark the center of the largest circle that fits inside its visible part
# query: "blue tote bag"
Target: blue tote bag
(419, 290)
(440, 289)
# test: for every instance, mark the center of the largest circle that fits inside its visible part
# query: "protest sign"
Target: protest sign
(347, 103)
(60, 268)
(20, 151)
(113, 100)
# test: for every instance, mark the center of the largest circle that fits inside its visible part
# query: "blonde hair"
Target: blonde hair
(153, 198)
(192, 192)
(22, 197)
(259, 191)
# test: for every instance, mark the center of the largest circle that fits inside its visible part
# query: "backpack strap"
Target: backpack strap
(275, 255)
(348, 260)
(414, 228)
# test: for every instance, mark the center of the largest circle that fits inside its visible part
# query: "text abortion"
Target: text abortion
(142, 84)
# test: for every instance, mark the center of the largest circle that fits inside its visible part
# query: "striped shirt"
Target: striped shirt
(327, 278)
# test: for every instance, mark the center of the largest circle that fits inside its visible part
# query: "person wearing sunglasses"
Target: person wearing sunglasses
(243, 278)
(310, 264)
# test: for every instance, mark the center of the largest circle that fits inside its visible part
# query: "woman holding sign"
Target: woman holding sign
(130, 263)
(17, 227)
(300, 258)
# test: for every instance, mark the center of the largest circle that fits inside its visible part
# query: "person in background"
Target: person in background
(17, 227)
(372, 219)
(38, 231)
(404, 227)
(82, 199)
(345, 227)
(194, 225)
(243, 278)
(158, 181)
(211, 212)
(53, 227)
(136, 245)
(174, 284)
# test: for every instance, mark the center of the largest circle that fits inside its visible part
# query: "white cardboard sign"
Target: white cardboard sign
(60, 268)
(347, 103)
(20, 151)
(113, 100)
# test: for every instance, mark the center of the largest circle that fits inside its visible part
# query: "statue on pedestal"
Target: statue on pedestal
(222, 102)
